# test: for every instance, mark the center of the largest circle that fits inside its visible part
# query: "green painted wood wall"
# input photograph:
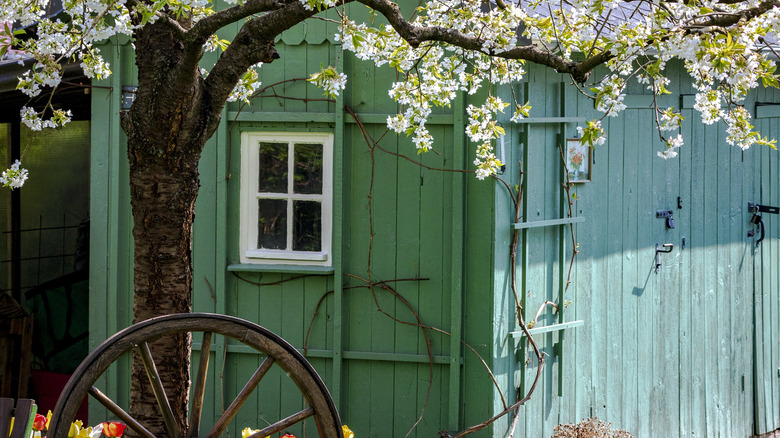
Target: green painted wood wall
(378, 369)
(690, 351)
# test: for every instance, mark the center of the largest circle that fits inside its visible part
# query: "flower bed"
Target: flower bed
(113, 429)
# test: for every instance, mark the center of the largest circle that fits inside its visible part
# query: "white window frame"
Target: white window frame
(249, 252)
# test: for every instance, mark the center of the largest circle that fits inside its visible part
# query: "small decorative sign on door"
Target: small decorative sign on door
(577, 161)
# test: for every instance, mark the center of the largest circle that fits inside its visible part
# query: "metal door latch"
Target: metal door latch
(667, 248)
(758, 208)
(758, 221)
(669, 218)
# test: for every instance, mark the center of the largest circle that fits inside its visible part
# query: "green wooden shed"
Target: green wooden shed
(677, 343)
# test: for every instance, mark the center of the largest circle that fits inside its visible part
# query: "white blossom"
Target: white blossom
(609, 95)
(398, 123)
(671, 145)
(246, 86)
(14, 177)
(708, 104)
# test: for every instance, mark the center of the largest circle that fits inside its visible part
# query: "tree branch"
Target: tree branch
(254, 43)
(730, 19)
(209, 25)
(415, 35)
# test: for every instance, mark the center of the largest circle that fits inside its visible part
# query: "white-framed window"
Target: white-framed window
(286, 198)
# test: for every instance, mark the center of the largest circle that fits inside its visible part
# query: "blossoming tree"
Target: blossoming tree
(442, 48)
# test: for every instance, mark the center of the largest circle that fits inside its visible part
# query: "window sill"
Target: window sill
(303, 256)
(285, 269)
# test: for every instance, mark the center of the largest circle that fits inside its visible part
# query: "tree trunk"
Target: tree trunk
(164, 146)
(175, 112)
(163, 201)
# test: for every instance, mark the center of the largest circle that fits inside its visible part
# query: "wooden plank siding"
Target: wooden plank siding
(384, 365)
(689, 351)
(668, 353)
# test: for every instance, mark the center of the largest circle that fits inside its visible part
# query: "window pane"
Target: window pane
(308, 168)
(307, 226)
(272, 224)
(272, 168)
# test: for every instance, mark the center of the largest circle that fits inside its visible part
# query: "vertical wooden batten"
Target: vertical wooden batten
(339, 155)
(456, 299)
(109, 228)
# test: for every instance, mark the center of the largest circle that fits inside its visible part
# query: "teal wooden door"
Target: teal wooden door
(766, 352)
(666, 353)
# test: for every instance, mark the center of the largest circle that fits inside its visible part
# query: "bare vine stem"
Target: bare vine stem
(271, 283)
(384, 285)
(520, 319)
(569, 213)
(370, 282)
(325, 295)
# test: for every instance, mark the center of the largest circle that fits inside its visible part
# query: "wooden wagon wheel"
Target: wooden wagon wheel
(277, 351)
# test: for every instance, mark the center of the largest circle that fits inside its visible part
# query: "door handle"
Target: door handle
(667, 248)
(758, 221)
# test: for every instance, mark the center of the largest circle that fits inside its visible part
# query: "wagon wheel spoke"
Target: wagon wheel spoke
(284, 424)
(159, 392)
(200, 386)
(242, 396)
(120, 413)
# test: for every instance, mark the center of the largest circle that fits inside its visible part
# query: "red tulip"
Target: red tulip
(288, 435)
(39, 423)
(113, 428)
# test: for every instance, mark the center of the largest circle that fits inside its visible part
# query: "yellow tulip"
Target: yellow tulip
(75, 429)
(48, 420)
(347, 433)
(248, 432)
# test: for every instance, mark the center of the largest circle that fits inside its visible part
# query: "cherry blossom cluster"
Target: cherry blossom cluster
(432, 73)
(58, 41)
(329, 80)
(34, 120)
(14, 177)
(482, 129)
(609, 95)
(246, 86)
(641, 39)
(725, 62)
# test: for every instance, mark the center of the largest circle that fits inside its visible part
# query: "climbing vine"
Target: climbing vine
(375, 286)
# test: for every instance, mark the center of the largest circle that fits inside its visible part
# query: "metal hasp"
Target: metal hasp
(667, 248)
(758, 208)
(758, 221)
(669, 218)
